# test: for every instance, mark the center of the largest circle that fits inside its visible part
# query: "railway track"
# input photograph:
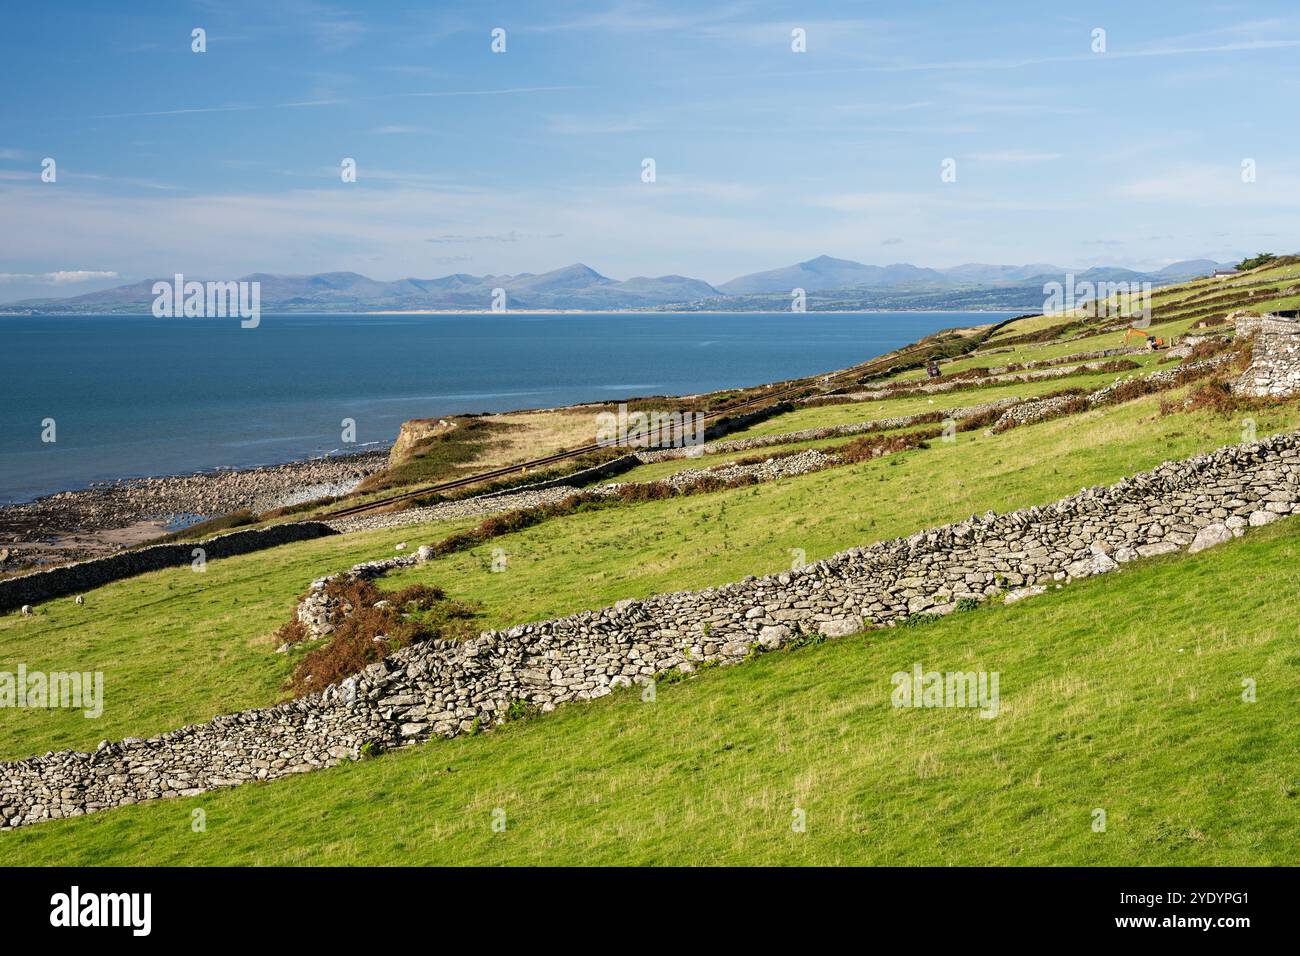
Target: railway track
(752, 404)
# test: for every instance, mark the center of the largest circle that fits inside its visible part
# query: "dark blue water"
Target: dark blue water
(135, 396)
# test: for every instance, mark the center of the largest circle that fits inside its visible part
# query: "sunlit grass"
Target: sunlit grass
(1121, 694)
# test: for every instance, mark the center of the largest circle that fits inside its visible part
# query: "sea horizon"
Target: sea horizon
(205, 395)
(269, 313)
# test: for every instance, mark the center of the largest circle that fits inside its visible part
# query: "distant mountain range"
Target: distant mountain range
(830, 284)
(825, 274)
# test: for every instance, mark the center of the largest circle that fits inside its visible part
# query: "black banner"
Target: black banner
(334, 905)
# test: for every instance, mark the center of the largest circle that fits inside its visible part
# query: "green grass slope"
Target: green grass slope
(594, 559)
(1121, 693)
(175, 646)
(178, 647)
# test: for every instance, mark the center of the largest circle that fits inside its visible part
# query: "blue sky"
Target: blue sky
(227, 162)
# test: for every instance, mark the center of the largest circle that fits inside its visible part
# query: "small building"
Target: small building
(1225, 273)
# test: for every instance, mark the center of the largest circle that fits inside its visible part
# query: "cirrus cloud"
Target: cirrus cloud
(65, 277)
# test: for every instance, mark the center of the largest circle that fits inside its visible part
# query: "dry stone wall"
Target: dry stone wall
(69, 579)
(1069, 359)
(478, 506)
(934, 388)
(1275, 365)
(446, 688)
(1037, 410)
(830, 431)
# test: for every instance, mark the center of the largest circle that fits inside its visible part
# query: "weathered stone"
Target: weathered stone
(1019, 594)
(1159, 547)
(1093, 564)
(840, 627)
(1209, 536)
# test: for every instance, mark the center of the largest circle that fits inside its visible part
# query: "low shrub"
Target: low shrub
(1117, 365)
(1131, 389)
(1209, 348)
(291, 633)
(1214, 396)
(874, 446)
(778, 455)
(982, 420)
(369, 624)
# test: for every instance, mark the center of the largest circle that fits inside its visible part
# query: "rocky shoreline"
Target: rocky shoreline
(75, 525)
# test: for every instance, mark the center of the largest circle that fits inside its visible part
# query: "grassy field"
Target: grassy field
(593, 559)
(1174, 307)
(205, 645)
(175, 646)
(822, 416)
(1121, 693)
(993, 353)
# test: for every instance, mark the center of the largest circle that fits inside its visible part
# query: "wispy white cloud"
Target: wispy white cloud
(638, 17)
(1013, 62)
(66, 277)
(332, 28)
(569, 125)
(65, 174)
(944, 201)
(328, 85)
(511, 236)
(297, 104)
(1204, 184)
(878, 109)
(1014, 156)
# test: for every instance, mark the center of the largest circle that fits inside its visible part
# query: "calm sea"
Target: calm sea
(133, 396)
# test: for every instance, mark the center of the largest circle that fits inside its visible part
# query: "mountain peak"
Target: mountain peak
(822, 262)
(577, 269)
(825, 273)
